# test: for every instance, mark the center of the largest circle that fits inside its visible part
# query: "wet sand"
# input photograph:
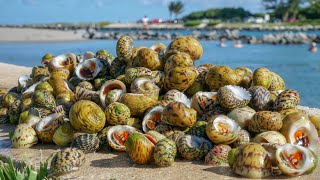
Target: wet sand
(115, 165)
(37, 35)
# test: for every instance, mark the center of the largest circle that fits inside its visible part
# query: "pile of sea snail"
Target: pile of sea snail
(156, 105)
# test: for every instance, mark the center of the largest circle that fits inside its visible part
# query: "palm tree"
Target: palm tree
(176, 8)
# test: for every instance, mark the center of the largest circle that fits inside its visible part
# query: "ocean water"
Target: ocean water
(299, 68)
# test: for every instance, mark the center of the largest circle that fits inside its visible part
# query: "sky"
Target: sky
(51, 11)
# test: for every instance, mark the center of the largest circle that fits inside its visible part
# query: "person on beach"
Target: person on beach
(313, 47)
(222, 44)
(145, 20)
(238, 44)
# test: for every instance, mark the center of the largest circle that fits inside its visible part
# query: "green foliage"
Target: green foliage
(175, 7)
(223, 14)
(213, 23)
(192, 23)
(311, 12)
(104, 23)
(20, 171)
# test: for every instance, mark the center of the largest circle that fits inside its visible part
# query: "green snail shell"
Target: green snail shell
(63, 135)
(87, 116)
(24, 136)
(164, 152)
(43, 99)
(138, 103)
(265, 121)
(250, 160)
(142, 85)
(148, 58)
(277, 83)
(124, 48)
(177, 114)
(262, 77)
(219, 76)
(221, 129)
(188, 45)
(117, 114)
(14, 111)
(44, 86)
(117, 68)
(3, 115)
(247, 76)
(198, 129)
(180, 59)
(179, 78)
(193, 147)
(233, 97)
(135, 51)
(67, 160)
(133, 73)
(104, 54)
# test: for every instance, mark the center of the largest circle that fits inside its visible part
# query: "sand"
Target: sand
(37, 35)
(115, 165)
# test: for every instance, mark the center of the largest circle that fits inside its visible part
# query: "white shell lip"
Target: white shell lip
(155, 109)
(87, 65)
(239, 92)
(118, 85)
(175, 95)
(45, 123)
(121, 128)
(56, 61)
(231, 124)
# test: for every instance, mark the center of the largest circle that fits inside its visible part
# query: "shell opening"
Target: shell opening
(293, 157)
(197, 142)
(151, 139)
(120, 137)
(225, 125)
(111, 87)
(47, 121)
(301, 137)
(88, 72)
(239, 92)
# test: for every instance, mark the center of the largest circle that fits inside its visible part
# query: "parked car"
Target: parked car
(156, 21)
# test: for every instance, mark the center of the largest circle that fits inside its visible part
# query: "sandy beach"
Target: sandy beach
(116, 165)
(37, 35)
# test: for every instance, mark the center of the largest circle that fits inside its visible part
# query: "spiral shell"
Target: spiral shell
(261, 98)
(221, 129)
(133, 73)
(180, 59)
(287, 99)
(262, 77)
(265, 121)
(24, 136)
(177, 114)
(144, 86)
(138, 103)
(124, 48)
(107, 87)
(117, 68)
(273, 137)
(117, 114)
(148, 58)
(175, 95)
(118, 135)
(233, 97)
(219, 76)
(88, 143)
(277, 83)
(67, 160)
(63, 135)
(218, 155)
(243, 138)
(164, 152)
(3, 115)
(89, 69)
(188, 45)
(179, 78)
(104, 54)
(152, 118)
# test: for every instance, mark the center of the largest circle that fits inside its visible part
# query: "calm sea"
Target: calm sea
(299, 68)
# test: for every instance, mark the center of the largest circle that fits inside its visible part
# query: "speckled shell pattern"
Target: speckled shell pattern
(124, 48)
(117, 114)
(145, 86)
(204, 102)
(287, 99)
(218, 155)
(3, 115)
(67, 160)
(179, 78)
(148, 58)
(273, 137)
(44, 99)
(188, 45)
(178, 60)
(219, 76)
(164, 152)
(133, 73)
(277, 83)
(260, 98)
(177, 114)
(228, 99)
(252, 161)
(138, 103)
(85, 94)
(262, 77)
(265, 121)
(88, 143)
(190, 152)
(24, 136)
(117, 68)
(167, 129)
(46, 135)
(199, 129)
(243, 138)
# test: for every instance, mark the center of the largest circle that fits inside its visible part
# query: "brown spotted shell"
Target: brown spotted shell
(148, 58)
(265, 121)
(262, 77)
(219, 76)
(124, 48)
(277, 83)
(204, 102)
(179, 78)
(178, 114)
(218, 155)
(287, 99)
(246, 75)
(233, 97)
(117, 68)
(260, 98)
(178, 60)
(133, 73)
(188, 45)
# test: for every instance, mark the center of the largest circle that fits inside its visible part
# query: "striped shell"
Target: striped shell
(175, 95)
(265, 121)
(273, 137)
(3, 115)
(204, 102)
(138, 103)
(277, 83)
(193, 147)
(233, 97)
(177, 114)
(24, 136)
(67, 160)
(243, 138)
(133, 73)
(179, 78)
(180, 59)
(164, 152)
(188, 45)
(221, 129)
(148, 58)
(117, 114)
(260, 98)
(218, 155)
(219, 76)
(117, 68)
(124, 48)
(88, 143)
(287, 99)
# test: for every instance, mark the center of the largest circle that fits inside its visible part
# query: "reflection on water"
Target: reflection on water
(299, 68)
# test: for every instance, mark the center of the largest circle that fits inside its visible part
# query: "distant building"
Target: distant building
(258, 20)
